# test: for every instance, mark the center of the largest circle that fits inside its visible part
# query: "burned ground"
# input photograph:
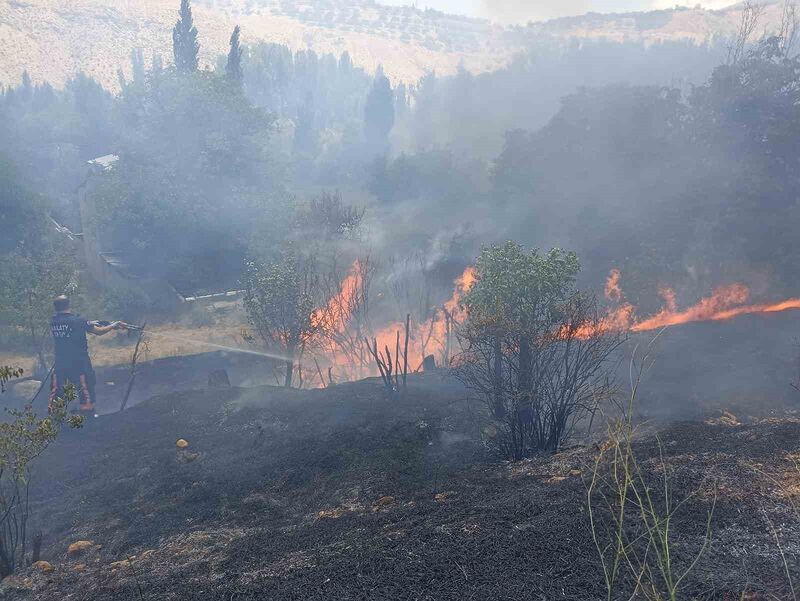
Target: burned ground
(343, 494)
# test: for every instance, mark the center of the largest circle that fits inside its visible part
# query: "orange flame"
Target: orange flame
(434, 336)
(339, 307)
(725, 302)
(337, 317)
(613, 290)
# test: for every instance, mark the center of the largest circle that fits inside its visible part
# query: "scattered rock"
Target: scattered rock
(429, 363)
(79, 547)
(145, 555)
(470, 528)
(182, 443)
(330, 514)
(17, 583)
(79, 567)
(117, 565)
(43, 566)
(443, 496)
(187, 457)
(726, 419)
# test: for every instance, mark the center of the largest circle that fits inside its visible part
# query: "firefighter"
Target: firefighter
(72, 363)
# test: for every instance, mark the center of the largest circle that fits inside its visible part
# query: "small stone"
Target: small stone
(575, 472)
(187, 457)
(43, 566)
(79, 547)
(116, 565)
(382, 503)
(79, 567)
(443, 496)
(15, 582)
(330, 514)
(182, 443)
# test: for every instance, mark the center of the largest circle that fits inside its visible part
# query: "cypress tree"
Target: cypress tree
(379, 112)
(137, 65)
(26, 90)
(184, 41)
(233, 68)
(157, 64)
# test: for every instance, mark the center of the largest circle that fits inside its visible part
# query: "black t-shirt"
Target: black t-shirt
(69, 335)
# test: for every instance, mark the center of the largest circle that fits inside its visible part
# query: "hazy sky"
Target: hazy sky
(523, 10)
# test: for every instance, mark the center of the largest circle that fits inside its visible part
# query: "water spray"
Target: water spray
(231, 349)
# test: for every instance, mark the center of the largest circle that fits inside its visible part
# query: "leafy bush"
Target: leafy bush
(280, 297)
(534, 348)
(23, 438)
(6, 373)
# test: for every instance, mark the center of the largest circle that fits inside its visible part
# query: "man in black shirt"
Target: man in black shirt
(73, 364)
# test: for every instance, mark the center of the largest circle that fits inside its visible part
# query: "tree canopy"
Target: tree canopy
(185, 47)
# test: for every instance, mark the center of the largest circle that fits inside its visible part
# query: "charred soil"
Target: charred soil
(345, 494)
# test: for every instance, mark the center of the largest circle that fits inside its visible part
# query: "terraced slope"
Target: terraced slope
(54, 39)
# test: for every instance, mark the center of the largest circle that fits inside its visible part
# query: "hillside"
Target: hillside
(680, 23)
(53, 39)
(342, 494)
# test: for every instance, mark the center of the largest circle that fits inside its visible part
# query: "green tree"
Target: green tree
(305, 131)
(197, 168)
(233, 68)
(280, 299)
(379, 112)
(185, 46)
(36, 263)
(516, 296)
(534, 347)
(156, 65)
(28, 284)
(22, 213)
(137, 65)
(26, 89)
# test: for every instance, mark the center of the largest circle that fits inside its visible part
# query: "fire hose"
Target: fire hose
(46, 379)
(126, 326)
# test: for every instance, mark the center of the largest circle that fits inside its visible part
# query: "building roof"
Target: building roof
(105, 162)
